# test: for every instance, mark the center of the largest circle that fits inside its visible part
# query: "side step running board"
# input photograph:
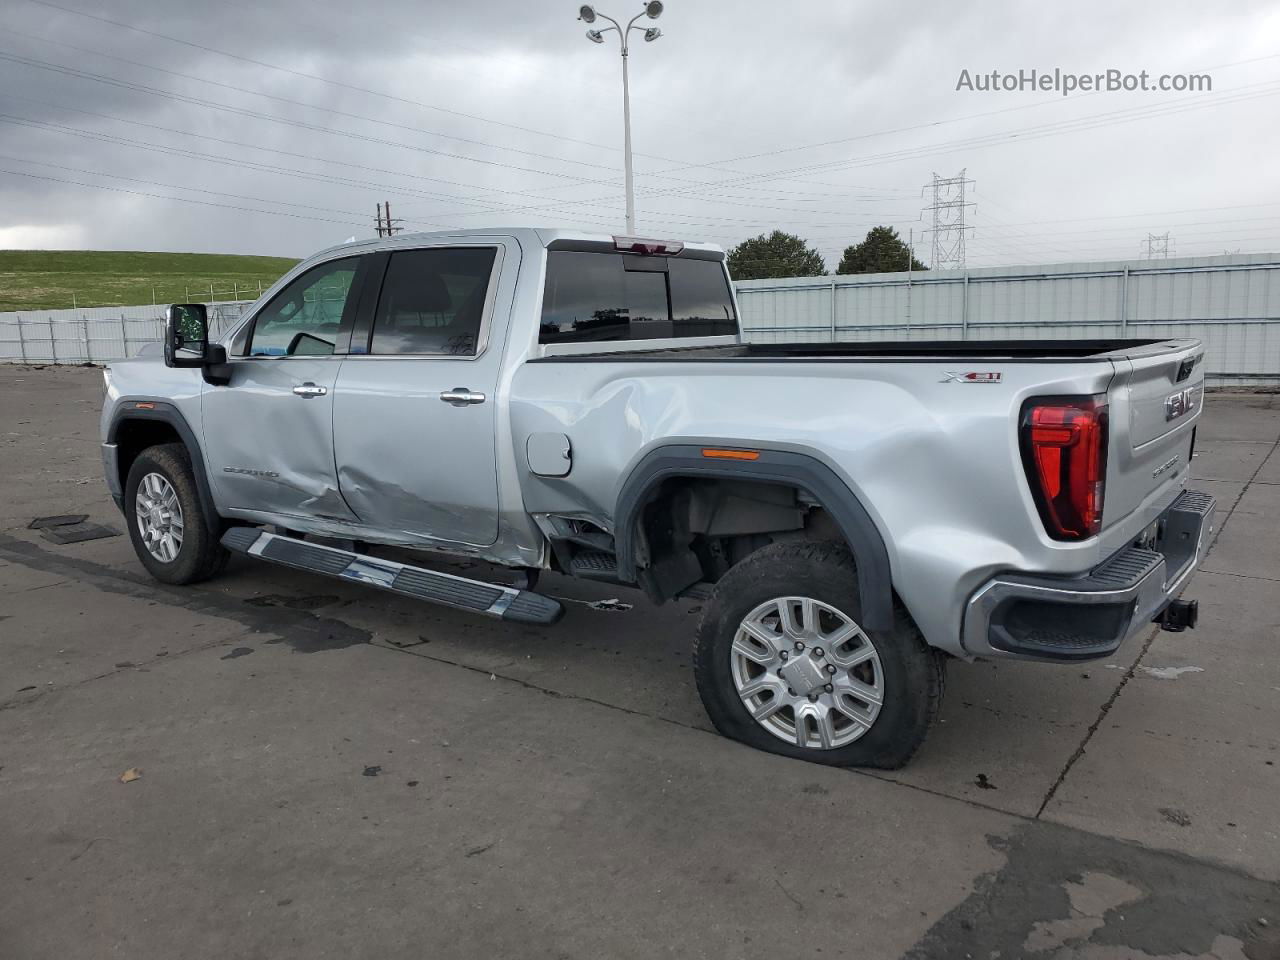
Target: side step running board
(495, 600)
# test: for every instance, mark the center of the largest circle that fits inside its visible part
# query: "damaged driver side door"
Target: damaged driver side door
(268, 433)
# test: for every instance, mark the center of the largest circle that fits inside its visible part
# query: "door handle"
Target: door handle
(461, 396)
(308, 390)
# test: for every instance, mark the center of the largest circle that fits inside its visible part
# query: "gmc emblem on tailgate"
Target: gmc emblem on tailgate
(1180, 403)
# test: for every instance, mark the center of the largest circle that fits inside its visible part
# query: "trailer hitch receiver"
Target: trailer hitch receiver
(1179, 615)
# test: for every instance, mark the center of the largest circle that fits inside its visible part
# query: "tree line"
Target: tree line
(781, 254)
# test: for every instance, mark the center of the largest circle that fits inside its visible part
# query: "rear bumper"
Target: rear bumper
(1087, 616)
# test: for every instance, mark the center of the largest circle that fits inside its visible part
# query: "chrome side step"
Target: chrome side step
(492, 599)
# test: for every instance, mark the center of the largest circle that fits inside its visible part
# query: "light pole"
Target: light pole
(652, 10)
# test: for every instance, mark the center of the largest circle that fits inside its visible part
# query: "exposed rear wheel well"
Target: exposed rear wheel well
(693, 530)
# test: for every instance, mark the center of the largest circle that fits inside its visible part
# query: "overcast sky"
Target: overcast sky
(822, 118)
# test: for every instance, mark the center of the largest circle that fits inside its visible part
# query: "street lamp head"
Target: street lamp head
(587, 13)
(652, 34)
(653, 9)
(594, 36)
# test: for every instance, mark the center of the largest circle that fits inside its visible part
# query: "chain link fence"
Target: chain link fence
(95, 335)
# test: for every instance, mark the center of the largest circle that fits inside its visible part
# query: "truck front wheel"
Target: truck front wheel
(783, 664)
(166, 520)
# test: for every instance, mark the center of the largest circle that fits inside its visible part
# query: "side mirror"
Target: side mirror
(186, 335)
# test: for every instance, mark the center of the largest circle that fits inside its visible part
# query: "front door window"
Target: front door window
(304, 318)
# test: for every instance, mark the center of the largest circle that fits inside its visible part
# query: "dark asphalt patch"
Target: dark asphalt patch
(293, 603)
(237, 652)
(404, 644)
(78, 533)
(303, 631)
(61, 520)
(1063, 890)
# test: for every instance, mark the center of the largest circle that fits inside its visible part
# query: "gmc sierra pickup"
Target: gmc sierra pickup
(851, 514)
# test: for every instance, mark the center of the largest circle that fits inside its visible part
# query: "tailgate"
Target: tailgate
(1155, 401)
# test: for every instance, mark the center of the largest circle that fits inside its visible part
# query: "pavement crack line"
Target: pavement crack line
(1240, 576)
(1093, 727)
(1146, 646)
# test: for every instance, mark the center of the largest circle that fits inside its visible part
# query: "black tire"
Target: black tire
(200, 555)
(912, 672)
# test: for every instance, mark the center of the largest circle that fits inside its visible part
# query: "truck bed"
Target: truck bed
(1025, 351)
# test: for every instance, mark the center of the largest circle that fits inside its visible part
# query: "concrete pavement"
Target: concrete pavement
(329, 771)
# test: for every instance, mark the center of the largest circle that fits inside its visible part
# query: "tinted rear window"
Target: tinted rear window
(594, 297)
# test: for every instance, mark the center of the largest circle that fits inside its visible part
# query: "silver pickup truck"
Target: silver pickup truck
(851, 515)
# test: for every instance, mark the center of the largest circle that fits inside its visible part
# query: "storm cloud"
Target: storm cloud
(281, 125)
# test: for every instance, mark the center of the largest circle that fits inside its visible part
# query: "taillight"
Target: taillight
(1064, 451)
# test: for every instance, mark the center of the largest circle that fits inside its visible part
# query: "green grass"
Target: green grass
(49, 279)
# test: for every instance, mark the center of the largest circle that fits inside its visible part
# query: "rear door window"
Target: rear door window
(432, 302)
(600, 297)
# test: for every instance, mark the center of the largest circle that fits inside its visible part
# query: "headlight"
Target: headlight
(106, 382)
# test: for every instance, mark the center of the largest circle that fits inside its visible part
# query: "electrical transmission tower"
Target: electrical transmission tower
(1156, 247)
(949, 229)
(386, 226)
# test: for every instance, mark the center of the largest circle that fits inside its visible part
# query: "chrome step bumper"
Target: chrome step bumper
(476, 596)
(1046, 617)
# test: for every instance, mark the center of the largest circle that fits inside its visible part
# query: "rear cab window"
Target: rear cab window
(598, 297)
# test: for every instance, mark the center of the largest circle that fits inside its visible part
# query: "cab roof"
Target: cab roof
(526, 237)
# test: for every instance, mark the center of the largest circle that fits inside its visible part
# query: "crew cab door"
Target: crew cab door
(268, 433)
(415, 409)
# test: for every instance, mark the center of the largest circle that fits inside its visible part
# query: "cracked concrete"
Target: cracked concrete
(558, 791)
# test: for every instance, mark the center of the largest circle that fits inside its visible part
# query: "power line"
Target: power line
(753, 178)
(294, 173)
(311, 76)
(301, 124)
(309, 106)
(487, 205)
(359, 89)
(159, 196)
(291, 172)
(1056, 128)
(929, 124)
(341, 113)
(196, 155)
(175, 186)
(187, 134)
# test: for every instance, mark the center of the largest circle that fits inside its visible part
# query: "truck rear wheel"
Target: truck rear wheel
(783, 664)
(166, 519)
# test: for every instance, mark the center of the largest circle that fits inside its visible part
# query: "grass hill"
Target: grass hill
(49, 279)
